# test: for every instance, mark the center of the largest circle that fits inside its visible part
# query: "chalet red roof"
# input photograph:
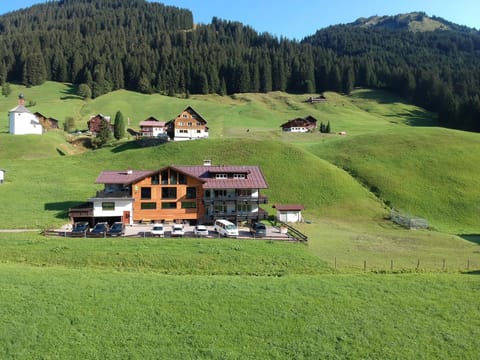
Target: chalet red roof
(254, 178)
(289, 207)
(121, 177)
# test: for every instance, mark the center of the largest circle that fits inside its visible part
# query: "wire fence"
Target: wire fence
(403, 265)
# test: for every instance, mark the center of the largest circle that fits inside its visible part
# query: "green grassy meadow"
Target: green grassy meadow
(362, 287)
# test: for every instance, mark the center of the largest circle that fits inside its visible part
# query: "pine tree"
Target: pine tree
(119, 126)
(103, 136)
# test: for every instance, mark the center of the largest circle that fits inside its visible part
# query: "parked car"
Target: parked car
(117, 229)
(200, 230)
(79, 228)
(177, 230)
(100, 229)
(158, 230)
(258, 229)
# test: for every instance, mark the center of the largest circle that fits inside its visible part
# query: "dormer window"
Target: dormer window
(239, 176)
(221, 176)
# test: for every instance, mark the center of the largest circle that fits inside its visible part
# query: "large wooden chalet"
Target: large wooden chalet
(188, 125)
(196, 194)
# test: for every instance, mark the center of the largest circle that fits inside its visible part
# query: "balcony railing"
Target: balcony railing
(258, 200)
(113, 194)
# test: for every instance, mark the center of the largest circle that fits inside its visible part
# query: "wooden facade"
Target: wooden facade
(167, 195)
(193, 194)
(188, 125)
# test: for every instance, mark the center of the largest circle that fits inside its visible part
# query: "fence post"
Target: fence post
(364, 265)
(391, 265)
(443, 266)
(468, 264)
(418, 264)
(335, 263)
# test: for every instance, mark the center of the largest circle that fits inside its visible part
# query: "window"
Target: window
(220, 193)
(239, 176)
(189, 204)
(173, 177)
(199, 131)
(220, 208)
(146, 193)
(181, 123)
(155, 179)
(199, 123)
(169, 205)
(244, 192)
(108, 206)
(220, 176)
(191, 192)
(184, 116)
(182, 179)
(183, 131)
(165, 177)
(148, 206)
(190, 123)
(169, 193)
(244, 207)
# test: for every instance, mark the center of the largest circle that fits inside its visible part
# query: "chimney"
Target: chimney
(21, 99)
(129, 172)
(207, 162)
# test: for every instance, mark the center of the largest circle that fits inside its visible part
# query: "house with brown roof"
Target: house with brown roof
(48, 123)
(152, 127)
(95, 122)
(188, 125)
(195, 193)
(308, 123)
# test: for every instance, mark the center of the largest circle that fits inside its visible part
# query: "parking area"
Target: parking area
(145, 230)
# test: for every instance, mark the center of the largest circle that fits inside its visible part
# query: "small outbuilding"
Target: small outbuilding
(289, 213)
(2, 176)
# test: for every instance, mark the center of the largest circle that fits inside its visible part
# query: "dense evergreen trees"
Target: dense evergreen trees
(148, 47)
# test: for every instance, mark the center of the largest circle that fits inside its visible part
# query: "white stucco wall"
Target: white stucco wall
(189, 135)
(121, 205)
(22, 123)
(289, 216)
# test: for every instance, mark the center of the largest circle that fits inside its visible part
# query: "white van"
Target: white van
(225, 228)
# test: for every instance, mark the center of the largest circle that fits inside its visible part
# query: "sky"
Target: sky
(295, 19)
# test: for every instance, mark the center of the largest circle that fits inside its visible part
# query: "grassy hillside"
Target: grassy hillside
(230, 299)
(390, 147)
(430, 172)
(324, 188)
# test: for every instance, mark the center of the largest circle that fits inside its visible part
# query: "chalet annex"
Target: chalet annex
(194, 194)
(306, 124)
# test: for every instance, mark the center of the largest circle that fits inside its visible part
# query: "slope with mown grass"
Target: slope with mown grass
(293, 176)
(429, 172)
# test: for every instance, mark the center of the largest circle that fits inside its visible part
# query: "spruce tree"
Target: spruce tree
(119, 126)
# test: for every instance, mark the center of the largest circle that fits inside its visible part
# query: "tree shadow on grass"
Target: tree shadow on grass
(475, 238)
(131, 145)
(61, 208)
(415, 118)
(473, 272)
